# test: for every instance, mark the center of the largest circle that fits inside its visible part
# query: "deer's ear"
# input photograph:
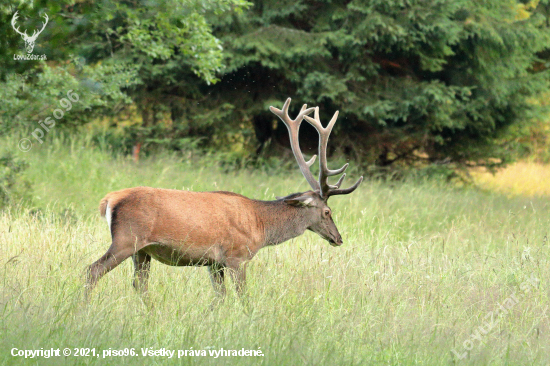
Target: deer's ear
(301, 201)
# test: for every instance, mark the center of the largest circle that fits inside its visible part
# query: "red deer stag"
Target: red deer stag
(222, 230)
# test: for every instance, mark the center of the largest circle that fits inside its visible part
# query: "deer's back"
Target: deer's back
(184, 218)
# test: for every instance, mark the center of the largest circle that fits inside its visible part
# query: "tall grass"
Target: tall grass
(422, 265)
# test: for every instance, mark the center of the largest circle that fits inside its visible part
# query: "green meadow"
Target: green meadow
(429, 274)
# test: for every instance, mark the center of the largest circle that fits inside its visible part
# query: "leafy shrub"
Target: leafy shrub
(13, 187)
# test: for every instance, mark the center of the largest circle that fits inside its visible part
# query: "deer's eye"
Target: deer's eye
(326, 212)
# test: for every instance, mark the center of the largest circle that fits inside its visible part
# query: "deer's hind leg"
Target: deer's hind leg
(121, 249)
(142, 268)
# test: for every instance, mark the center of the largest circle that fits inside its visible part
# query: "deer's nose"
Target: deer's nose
(337, 241)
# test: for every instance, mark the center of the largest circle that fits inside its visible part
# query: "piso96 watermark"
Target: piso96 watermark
(25, 144)
(133, 352)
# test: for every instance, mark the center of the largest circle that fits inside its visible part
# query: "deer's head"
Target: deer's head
(314, 202)
(29, 40)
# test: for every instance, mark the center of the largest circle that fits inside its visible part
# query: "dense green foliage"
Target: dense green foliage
(12, 187)
(414, 79)
(112, 54)
(438, 81)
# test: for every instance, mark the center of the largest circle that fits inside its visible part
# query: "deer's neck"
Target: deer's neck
(281, 222)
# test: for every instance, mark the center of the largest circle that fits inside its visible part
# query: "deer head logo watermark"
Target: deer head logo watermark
(29, 40)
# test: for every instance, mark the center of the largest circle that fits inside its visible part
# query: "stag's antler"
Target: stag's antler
(293, 128)
(325, 190)
(328, 190)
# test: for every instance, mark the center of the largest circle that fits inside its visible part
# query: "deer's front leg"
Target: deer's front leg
(217, 276)
(238, 275)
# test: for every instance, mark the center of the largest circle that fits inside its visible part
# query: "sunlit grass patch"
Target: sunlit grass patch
(522, 178)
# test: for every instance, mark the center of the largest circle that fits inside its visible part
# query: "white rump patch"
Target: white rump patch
(108, 215)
